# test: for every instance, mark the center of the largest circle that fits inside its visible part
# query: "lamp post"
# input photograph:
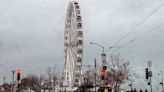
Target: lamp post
(160, 73)
(103, 57)
(104, 67)
(103, 48)
(13, 72)
(149, 63)
(98, 45)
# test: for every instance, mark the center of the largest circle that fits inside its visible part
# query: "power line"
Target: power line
(132, 30)
(142, 35)
(140, 23)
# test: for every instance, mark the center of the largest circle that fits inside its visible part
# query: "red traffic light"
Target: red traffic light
(18, 74)
(18, 71)
(102, 73)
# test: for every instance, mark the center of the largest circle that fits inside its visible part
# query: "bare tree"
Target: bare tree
(25, 83)
(55, 77)
(54, 81)
(52, 77)
(119, 71)
(32, 81)
(41, 81)
(50, 74)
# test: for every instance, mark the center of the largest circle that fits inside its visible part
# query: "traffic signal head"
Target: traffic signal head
(104, 67)
(18, 74)
(102, 75)
(146, 73)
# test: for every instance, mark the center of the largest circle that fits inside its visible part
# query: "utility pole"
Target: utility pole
(104, 83)
(160, 73)
(4, 80)
(13, 72)
(150, 85)
(150, 74)
(131, 87)
(103, 66)
(95, 74)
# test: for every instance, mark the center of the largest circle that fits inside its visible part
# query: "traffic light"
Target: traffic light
(18, 74)
(104, 67)
(146, 73)
(102, 75)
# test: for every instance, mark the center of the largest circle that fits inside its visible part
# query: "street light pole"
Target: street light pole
(103, 57)
(104, 67)
(4, 80)
(162, 80)
(13, 72)
(150, 74)
(99, 46)
(95, 74)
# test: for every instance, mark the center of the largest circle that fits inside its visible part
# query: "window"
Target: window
(66, 44)
(77, 7)
(66, 31)
(79, 25)
(78, 18)
(76, 80)
(79, 33)
(76, 3)
(78, 11)
(79, 51)
(77, 75)
(78, 60)
(66, 38)
(78, 67)
(80, 42)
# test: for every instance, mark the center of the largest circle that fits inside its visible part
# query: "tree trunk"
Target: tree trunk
(54, 88)
(116, 89)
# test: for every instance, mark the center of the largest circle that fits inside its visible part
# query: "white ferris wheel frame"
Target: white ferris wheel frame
(73, 42)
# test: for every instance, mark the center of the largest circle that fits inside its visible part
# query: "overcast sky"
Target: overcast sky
(32, 32)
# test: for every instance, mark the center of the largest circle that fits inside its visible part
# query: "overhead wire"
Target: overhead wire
(132, 30)
(142, 35)
(135, 27)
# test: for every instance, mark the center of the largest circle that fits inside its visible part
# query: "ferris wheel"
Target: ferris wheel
(73, 45)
